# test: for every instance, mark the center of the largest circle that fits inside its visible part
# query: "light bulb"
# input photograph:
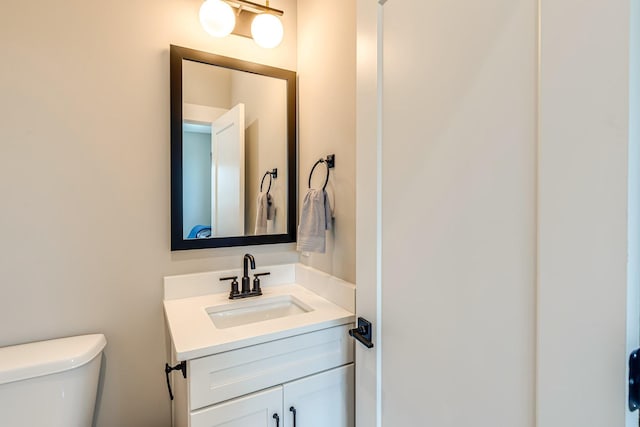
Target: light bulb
(217, 18)
(267, 30)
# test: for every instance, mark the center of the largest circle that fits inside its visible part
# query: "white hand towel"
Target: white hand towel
(262, 213)
(315, 219)
(271, 221)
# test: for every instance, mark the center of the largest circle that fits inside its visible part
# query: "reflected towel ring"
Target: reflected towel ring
(273, 174)
(330, 162)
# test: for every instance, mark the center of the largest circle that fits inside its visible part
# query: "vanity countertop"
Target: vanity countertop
(194, 334)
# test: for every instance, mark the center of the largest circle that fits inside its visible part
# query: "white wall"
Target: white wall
(458, 213)
(326, 74)
(84, 182)
(586, 235)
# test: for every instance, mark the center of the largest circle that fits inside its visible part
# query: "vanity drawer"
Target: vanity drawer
(223, 376)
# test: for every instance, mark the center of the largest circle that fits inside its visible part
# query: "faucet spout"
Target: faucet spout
(245, 267)
(246, 283)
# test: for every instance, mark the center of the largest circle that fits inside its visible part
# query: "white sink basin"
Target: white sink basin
(255, 309)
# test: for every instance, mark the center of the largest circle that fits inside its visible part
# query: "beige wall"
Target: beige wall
(327, 78)
(84, 182)
(203, 84)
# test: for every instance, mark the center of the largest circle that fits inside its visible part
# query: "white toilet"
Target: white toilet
(50, 383)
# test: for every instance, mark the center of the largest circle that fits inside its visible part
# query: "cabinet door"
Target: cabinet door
(254, 410)
(321, 400)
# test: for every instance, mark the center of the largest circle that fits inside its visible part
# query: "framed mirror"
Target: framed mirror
(233, 152)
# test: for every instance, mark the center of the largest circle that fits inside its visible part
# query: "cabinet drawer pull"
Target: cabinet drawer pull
(293, 410)
(182, 366)
(277, 418)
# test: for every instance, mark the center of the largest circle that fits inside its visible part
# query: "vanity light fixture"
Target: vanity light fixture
(217, 18)
(249, 19)
(267, 30)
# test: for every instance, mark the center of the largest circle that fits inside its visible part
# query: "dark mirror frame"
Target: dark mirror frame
(177, 54)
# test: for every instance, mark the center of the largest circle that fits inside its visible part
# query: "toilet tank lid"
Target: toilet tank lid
(20, 362)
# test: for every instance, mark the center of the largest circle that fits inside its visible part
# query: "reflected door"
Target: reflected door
(227, 173)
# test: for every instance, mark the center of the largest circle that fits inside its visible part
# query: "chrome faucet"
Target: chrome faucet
(246, 282)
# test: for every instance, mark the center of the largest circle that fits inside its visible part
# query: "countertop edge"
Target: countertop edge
(190, 354)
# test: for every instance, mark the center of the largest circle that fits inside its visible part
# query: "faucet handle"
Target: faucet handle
(256, 282)
(234, 286)
(262, 274)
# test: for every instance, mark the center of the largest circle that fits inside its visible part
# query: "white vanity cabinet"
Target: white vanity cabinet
(312, 373)
(320, 400)
(254, 410)
(288, 348)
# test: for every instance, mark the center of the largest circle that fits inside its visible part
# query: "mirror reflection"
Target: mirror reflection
(233, 152)
(234, 138)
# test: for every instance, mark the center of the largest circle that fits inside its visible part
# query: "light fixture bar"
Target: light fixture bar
(253, 7)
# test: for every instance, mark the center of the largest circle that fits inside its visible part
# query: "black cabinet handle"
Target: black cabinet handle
(277, 418)
(182, 366)
(293, 410)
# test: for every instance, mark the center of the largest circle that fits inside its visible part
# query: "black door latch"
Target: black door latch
(634, 380)
(363, 332)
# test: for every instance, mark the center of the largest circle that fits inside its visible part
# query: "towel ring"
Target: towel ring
(330, 163)
(272, 175)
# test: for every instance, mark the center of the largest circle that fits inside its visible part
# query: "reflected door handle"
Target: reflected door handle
(363, 332)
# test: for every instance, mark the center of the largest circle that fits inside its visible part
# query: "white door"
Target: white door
(227, 173)
(262, 409)
(321, 400)
(446, 149)
(368, 246)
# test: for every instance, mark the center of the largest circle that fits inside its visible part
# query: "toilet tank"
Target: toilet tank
(50, 383)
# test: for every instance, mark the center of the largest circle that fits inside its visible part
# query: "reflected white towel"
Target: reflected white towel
(315, 219)
(264, 212)
(271, 220)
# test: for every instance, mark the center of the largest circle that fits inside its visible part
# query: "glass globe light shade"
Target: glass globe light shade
(217, 18)
(267, 30)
